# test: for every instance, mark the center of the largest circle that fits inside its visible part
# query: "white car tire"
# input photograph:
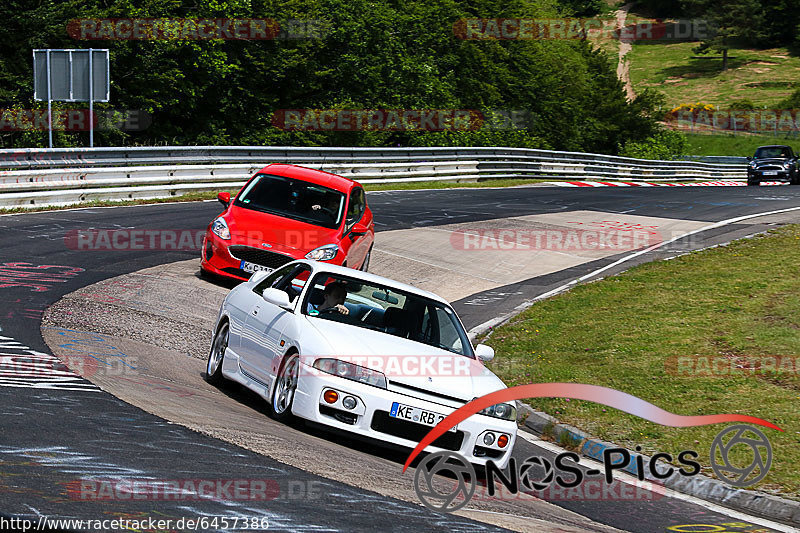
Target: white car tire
(217, 355)
(285, 388)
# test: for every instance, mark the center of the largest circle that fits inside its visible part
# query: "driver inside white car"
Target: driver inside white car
(334, 296)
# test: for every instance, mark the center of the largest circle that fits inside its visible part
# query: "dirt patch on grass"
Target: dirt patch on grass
(773, 316)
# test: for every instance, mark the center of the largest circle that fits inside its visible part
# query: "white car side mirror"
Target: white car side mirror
(277, 297)
(257, 276)
(484, 353)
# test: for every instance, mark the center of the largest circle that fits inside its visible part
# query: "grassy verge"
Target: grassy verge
(735, 145)
(200, 196)
(452, 185)
(734, 301)
(190, 197)
(764, 77)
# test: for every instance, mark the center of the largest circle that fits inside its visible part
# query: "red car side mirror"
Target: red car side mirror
(359, 229)
(224, 198)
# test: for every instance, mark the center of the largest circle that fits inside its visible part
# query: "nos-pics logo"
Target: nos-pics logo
(446, 481)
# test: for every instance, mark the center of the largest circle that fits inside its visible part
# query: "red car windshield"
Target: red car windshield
(295, 199)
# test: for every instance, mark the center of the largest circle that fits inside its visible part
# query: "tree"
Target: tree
(729, 23)
(375, 54)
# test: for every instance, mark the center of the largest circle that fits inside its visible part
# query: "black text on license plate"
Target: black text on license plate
(252, 267)
(415, 414)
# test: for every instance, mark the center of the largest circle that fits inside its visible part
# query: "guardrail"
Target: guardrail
(64, 176)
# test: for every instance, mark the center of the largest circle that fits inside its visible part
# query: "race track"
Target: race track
(149, 305)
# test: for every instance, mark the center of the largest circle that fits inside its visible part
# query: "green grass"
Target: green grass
(735, 145)
(763, 76)
(740, 299)
(452, 185)
(189, 197)
(200, 196)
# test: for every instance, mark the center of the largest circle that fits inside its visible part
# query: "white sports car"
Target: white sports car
(359, 353)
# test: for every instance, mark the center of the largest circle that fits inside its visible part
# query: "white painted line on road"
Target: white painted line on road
(481, 328)
(630, 479)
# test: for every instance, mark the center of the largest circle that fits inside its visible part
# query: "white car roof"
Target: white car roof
(319, 266)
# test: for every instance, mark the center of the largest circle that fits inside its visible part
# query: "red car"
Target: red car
(287, 212)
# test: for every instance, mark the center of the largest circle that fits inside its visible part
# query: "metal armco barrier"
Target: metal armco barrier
(65, 176)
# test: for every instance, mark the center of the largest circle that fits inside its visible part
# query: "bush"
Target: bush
(664, 145)
(742, 104)
(792, 102)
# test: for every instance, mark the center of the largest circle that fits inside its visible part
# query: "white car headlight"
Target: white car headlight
(346, 370)
(506, 411)
(323, 253)
(220, 229)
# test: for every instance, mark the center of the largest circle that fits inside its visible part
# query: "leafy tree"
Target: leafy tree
(732, 22)
(583, 8)
(374, 54)
(659, 8)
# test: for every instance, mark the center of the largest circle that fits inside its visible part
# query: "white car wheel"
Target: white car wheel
(285, 387)
(216, 356)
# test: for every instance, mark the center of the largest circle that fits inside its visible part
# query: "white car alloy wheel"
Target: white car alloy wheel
(217, 354)
(285, 387)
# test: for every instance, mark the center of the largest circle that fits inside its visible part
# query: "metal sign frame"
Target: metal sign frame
(70, 77)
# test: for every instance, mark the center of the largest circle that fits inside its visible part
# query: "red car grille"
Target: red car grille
(259, 257)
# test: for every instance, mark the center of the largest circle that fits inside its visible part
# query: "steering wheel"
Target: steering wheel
(330, 213)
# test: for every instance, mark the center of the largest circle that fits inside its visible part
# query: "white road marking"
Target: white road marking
(523, 306)
(23, 367)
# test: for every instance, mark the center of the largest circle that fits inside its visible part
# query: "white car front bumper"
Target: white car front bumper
(370, 418)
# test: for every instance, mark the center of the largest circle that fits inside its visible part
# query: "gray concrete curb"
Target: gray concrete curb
(699, 486)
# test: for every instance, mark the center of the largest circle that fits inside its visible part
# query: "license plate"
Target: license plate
(252, 267)
(415, 414)
(770, 172)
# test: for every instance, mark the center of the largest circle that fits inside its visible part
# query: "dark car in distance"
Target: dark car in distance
(773, 163)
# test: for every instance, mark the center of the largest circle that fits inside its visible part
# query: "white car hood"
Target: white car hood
(408, 362)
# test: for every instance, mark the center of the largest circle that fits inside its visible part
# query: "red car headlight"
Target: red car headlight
(323, 253)
(220, 229)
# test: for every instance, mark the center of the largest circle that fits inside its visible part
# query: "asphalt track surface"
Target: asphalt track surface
(50, 438)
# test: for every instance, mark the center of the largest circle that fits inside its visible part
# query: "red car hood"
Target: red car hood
(293, 237)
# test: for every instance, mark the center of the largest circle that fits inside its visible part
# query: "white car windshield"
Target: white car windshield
(388, 310)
